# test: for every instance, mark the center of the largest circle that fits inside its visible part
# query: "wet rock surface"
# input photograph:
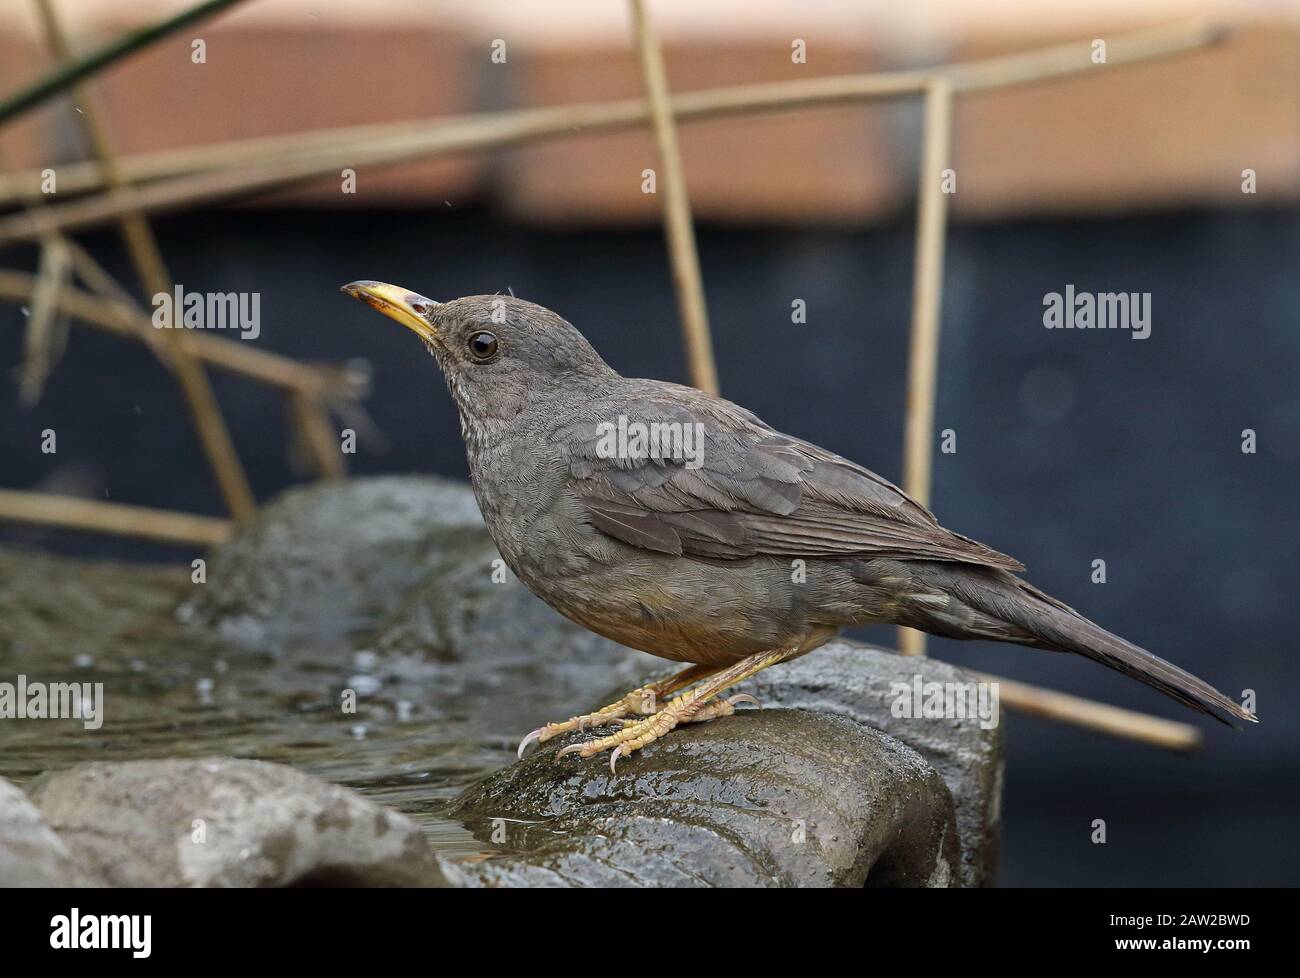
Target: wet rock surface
(859, 681)
(385, 589)
(402, 570)
(326, 561)
(223, 822)
(785, 798)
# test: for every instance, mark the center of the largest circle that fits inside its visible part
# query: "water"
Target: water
(409, 726)
(173, 692)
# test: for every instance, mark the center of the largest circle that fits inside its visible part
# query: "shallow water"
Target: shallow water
(181, 701)
(421, 731)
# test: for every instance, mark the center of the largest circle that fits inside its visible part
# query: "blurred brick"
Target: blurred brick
(827, 165)
(1172, 132)
(30, 139)
(268, 76)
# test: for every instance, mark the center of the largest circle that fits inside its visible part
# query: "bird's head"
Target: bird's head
(496, 351)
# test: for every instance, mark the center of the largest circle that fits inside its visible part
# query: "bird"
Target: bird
(676, 522)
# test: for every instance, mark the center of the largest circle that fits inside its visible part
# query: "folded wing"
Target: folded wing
(744, 490)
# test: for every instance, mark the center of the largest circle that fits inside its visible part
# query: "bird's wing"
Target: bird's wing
(741, 489)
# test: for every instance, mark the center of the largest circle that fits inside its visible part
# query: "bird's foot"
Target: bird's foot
(643, 701)
(636, 734)
(709, 711)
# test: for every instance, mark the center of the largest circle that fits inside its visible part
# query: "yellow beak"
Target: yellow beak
(407, 307)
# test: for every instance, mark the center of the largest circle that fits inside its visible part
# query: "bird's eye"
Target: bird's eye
(482, 345)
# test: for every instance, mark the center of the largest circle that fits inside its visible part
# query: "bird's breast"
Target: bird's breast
(680, 608)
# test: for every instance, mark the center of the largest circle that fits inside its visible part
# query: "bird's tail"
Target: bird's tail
(997, 605)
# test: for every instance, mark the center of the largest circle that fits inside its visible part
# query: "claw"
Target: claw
(528, 739)
(697, 704)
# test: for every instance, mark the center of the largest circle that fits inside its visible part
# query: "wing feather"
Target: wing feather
(749, 491)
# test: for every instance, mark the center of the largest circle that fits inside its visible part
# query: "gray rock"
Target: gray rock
(224, 822)
(333, 559)
(782, 798)
(386, 585)
(31, 853)
(404, 568)
(403, 564)
(856, 681)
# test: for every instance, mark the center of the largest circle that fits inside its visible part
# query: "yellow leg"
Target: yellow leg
(689, 707)
(643, 701)
(710, 711)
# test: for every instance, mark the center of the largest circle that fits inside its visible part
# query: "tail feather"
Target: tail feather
(1003, 607)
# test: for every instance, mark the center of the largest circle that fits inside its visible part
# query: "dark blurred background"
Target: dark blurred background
(1071, 445)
